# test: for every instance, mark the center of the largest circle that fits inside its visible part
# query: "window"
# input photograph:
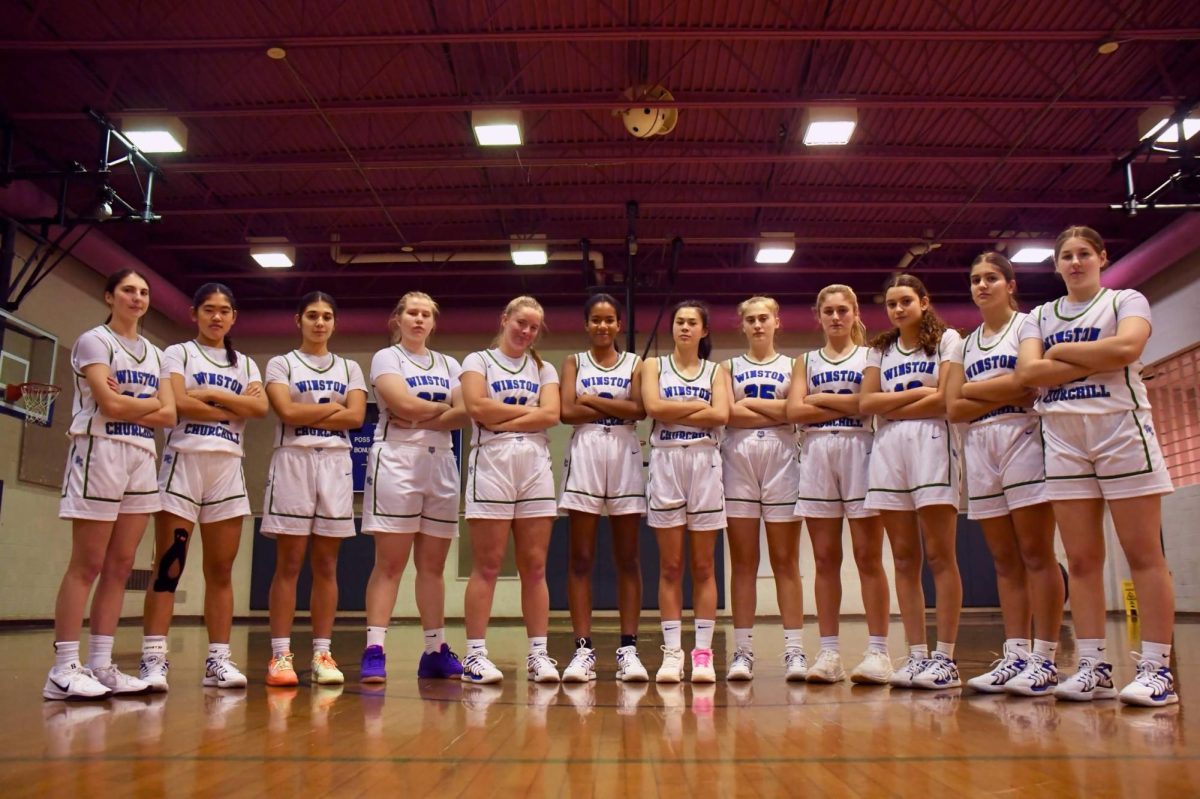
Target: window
(1174, 388)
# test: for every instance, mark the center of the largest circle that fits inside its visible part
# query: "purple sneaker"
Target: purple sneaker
(374, 665)
(442, 664)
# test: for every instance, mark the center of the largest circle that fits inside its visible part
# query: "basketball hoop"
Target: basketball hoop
(37, 398)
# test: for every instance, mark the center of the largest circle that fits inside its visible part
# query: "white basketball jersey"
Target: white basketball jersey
(138, 376)
(431, 377)
(517, 384)
(673, 387)
(769, 380)
(614, 382)
(309, 384)
(1103, 392)
(202, 369)
(901, 369)
(985, 358)
(843, 376)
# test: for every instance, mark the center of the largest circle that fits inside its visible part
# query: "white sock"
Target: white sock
(1091, 648)
(830, 642)
(794, 639)
(704, 633)
(100, 649)
(66, 654)
(154, 644)
(919, 651)
(672, 634)
(476, 645)
(218, 650)
(1020, 646)
(322, 645)
(877, 643)
(743, 638)
(1045, 649)
(280, 646)
(537, 643)
(375, 636)
(434, 640)
(946, 649)
(1159, 653)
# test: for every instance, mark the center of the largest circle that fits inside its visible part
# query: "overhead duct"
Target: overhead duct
(457, 256)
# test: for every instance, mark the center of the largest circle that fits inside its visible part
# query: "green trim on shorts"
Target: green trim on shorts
(1007, 487)
(823, 499)
(439, 521)
(475, 495)
(601, 496)
(759, 502)
(949, 470)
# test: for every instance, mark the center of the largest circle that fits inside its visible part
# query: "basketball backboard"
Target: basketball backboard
(28, 354)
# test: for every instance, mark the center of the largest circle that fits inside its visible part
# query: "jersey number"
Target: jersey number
(765, 391)
(911, 384)
(431, 396)
(515, 400)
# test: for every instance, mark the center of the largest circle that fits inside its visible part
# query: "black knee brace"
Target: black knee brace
(168, 576)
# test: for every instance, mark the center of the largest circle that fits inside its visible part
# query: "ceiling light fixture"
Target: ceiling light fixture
(775, 248)
(1032, 255)
(497, 128)
(272, 252)
(829, 125)
(1152, 124)
(529, 250)
(155, 134)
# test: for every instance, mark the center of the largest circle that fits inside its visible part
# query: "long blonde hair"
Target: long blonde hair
(770, 302)
(858, 333)
(401, 304)
(514, 305)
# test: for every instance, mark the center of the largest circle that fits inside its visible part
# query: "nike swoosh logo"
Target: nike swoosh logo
(936, 435)
(64, 688)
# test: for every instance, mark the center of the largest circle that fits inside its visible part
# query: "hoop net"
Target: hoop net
(38, 398)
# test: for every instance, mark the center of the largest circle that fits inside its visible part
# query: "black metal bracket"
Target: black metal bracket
(1186, 176)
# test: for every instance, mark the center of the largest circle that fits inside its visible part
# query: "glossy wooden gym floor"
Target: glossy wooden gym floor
(436, 738)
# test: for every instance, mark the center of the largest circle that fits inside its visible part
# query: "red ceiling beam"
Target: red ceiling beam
(619, 206)
(616, 35)
(613, 102)
(531, 158)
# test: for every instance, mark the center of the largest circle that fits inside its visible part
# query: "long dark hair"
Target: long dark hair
(702, 309)
(202, 294)
(315, 296)
(118, 277)
(932, 326)
(1003, 266)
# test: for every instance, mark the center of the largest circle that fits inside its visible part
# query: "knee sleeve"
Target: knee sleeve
(170, 565)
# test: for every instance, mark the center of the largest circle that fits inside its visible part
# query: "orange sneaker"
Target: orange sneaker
(280, 671)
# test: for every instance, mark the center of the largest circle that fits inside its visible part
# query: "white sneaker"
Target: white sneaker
(741, 667)
(74, 682)
(795, 665)
(221, 672)
(1006, 668)
(153, 671)
(912, 666)
(541, 667)
(827, 669)
(875, 669)
(629, 666)
(582, 667)
(940, 672)
(1154, 685)
(671, 669)
(478, 669)
(702, 666)
(118, 681)
(1093, 680)
(1038, 678)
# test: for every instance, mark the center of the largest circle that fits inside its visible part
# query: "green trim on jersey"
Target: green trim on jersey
(1093, 301)
(404, 354)
(121, 343)
(204, 355)
(821, 352)
(517, 371)
(704, 364)
(592, 361)
(332, 362)
(978, 333)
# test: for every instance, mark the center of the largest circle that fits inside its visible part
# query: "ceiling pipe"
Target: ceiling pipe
(24, 200)
(1164, 249)
(614, 34)
(456, 256)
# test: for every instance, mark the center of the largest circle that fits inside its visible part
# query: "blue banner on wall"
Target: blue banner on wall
(360, 446)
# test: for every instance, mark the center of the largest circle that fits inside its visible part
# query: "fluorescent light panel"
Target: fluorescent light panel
(497, 128)
(832, 125)
(774, 248)
(1032, 255)
(529, 250)
(529, 257)
(156, 134)
(272, 252)
(273, 260)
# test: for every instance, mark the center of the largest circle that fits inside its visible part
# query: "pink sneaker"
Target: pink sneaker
(702, 666)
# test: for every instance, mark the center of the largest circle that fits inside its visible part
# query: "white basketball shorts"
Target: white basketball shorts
(510, 479)
(914, 463)
(1108, 455)
(603, 472)
(203, 486)
(1005, 468)
(833, 475)
(761, 474)
(310, 491)
(105, 477)
(411, 489)
(686, 488)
